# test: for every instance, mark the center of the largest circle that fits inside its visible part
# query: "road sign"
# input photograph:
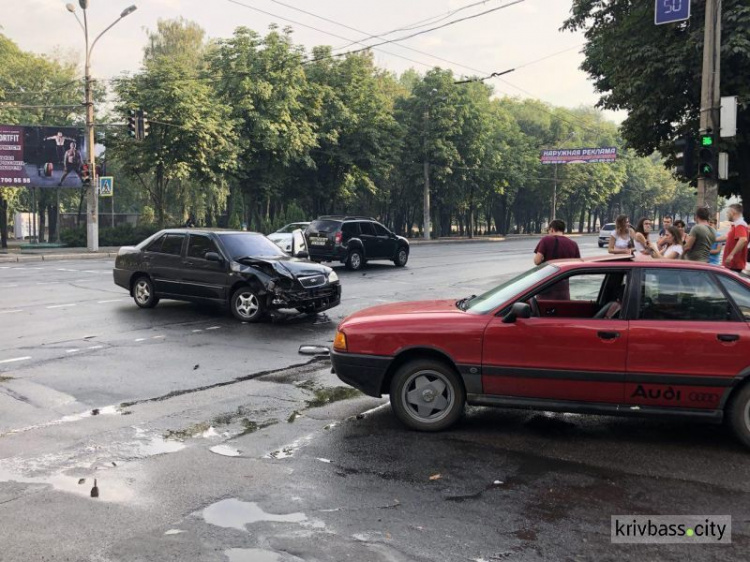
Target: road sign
(106, 186)
(671, 11)
(728, 119)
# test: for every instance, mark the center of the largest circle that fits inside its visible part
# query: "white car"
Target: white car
(283, 236)
(605, 233)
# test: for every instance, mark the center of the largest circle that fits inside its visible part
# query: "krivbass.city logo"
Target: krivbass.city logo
(672, 529)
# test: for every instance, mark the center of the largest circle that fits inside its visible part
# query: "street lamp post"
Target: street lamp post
(92, 197)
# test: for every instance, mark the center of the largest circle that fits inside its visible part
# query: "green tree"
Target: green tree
(654, 73)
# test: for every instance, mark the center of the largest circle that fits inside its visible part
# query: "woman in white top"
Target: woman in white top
(641, 242)
(620, 241)
(673, 240)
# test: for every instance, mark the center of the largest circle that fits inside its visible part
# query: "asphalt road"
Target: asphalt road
(210, 440)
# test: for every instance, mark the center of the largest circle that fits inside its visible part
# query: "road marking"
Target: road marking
(196, 331)
(96, 347)
(50, 283)
(113, 300)
(10, 311)
(158, 337)
(15, 359)
(61, 305)
(72, 350)
(140, 339)
(213, 328)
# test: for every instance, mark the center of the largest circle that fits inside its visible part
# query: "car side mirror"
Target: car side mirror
(302, 254)
(213, 256)
(299, 243)
(518, 310)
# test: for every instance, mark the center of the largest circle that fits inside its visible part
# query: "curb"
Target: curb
(55, 257)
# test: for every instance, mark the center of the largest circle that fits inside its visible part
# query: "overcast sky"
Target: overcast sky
(507, 38)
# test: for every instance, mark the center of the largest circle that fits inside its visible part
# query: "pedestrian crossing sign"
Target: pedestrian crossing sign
(106, 186)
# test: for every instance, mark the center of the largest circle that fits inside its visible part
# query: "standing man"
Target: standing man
(701, 238)
(735, 252)
(666, 222)
(555, 245)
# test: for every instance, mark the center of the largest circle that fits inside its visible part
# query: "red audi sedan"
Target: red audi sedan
(599, 336)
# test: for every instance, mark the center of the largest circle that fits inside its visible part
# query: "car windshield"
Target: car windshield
(250, 245)
(288, 229)
(503, 293)
(324, 226)
(608, 227)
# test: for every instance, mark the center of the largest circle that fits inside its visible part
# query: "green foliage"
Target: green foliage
(122, 235)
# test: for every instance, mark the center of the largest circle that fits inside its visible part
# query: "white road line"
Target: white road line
(9, 286)
(10, 311)
(96, 347)
(213, 328)
(140, 339)
(113, 300)
(196, 331)
(61, 305)
(15, 359)
(72, 350)
(49, 283)
(158, 337)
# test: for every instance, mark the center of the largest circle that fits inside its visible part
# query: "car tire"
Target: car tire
(738, 415)
(427, 395)
(144, 294)
(402, 256)
(247, 305)
(355, 260)
(601, 245)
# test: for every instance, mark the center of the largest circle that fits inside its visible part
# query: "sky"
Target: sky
(507, 38)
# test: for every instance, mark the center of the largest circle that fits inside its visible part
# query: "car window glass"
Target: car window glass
(172, 244)
(674, 294)
(367, 228)
(199, 246)
(581, 288)
(242, 245)
(324, 226)
(739, 293)
(380, 230)
(501, 294)
(350, 229)
(608, 227)
(155, 246)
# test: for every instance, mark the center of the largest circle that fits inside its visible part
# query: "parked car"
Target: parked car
(601, 336)
(354, 241)
(605, 233)
(283, 236)
(242, 270)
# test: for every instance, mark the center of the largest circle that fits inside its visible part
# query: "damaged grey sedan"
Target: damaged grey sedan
(241, 270)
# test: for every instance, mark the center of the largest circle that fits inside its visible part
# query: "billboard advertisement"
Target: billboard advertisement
(32, 156)
(579, 155)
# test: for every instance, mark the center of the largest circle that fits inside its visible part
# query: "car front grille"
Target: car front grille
(313, 281)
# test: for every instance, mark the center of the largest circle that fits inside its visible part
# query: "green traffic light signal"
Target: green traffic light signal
(707, 140)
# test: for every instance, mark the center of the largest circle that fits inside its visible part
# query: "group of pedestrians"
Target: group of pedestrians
(702, 244)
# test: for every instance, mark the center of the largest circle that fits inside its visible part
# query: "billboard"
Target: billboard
(41, 156)
(579, 155)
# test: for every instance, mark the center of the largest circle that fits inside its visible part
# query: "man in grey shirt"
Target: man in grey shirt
(701, 238)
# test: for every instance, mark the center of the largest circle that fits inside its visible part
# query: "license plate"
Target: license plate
(315, 241)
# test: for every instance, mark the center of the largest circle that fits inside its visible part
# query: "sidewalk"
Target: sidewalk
(21, 253)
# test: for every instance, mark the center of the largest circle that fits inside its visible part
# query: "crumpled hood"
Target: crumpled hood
(289, 267)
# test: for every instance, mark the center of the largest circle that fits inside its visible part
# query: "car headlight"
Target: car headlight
(333, 277)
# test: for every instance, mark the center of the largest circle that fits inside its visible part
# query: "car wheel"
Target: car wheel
(246, 305)
(739, 415)
(601, 245)
(144, 294)
(427, 395)
(355, 261)
(402, 256)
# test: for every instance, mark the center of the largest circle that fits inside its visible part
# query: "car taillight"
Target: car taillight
(339, 237)
(339, 342)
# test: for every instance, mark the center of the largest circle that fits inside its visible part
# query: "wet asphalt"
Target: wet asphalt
(212, 440)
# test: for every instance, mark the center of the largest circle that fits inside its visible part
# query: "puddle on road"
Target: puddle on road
(110, 490)
(251, 555)
(288, 450)
(236, 514)
(112, 410)
(225, 450)
(157, 446)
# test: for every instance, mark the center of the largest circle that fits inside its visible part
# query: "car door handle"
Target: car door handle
(550, 312)
(608, 335)
(728, 337)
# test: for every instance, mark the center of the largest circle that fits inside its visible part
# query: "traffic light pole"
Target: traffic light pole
(92, 196)
(708, 188)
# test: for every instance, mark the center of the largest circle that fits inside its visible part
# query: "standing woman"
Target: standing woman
(674, 249)
(620, 241)
(642, 245)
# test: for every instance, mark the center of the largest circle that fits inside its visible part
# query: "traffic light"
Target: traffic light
(85, 175)
(143, 124)
(132, 124)
(684, 148)
(707, 166)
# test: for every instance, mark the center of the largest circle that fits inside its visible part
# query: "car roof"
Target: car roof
(629, 261)
(206, 231)
(345, 218)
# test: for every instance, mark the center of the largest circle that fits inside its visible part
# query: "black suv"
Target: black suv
(354, 241)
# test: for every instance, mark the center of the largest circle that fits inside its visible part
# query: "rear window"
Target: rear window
(326, 226)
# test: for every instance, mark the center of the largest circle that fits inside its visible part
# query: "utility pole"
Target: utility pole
(426, 217)
(553, 214)
(708, 188)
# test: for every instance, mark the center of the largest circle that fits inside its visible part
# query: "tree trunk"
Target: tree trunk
(80, 207)
(52, 219)
(3, 223)
(42, 223)
(581, 219)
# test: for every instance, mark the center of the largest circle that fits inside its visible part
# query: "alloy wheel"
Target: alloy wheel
(427, 396)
